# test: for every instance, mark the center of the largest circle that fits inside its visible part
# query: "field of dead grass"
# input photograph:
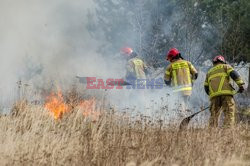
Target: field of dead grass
(31, 136)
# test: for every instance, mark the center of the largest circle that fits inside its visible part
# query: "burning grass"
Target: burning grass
(57, 106)
(31, 136)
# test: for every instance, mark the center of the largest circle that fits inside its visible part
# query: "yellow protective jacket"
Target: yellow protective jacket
(136, 69)
(218, 80)
(181, 73)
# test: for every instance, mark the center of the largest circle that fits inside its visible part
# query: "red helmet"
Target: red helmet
(127, 51)
(172, 54)
(219, 58)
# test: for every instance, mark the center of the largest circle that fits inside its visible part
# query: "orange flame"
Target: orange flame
(57, 107)
(89, 109)
(55, 104)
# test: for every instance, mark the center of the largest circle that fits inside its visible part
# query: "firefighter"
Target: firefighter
(180, 74)
(220, 90)
(136, 71)
(135, 68)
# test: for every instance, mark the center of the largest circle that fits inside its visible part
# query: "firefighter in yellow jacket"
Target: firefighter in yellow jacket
(218, 86)
(180, 74)
(136, 68)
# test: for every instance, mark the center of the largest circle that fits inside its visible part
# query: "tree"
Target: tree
(200, 29)
(228, 19)
(150, 26)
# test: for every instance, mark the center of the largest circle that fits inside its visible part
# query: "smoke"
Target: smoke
(43, 41)
(46, 40)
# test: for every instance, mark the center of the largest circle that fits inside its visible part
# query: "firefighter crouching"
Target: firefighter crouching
(217, 85)
(180, 75)
(135, 68)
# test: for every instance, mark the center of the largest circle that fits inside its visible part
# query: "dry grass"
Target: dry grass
(30, 136)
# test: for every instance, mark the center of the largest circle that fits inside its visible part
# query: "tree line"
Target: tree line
(200, 29)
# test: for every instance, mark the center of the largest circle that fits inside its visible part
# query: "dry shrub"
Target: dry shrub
(33, 137)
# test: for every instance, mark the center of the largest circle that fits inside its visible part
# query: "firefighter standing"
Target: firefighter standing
(180, 75)
(217, 85)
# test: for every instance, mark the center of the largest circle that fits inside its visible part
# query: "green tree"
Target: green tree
(229, 20)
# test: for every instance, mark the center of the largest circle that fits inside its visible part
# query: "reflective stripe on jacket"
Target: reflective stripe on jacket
(136, 69)
(218, 80)
(181, 72)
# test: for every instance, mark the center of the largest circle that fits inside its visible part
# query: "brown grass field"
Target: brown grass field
(31, 136)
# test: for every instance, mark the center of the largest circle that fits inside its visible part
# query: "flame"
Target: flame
(89, 109)
(56, 105)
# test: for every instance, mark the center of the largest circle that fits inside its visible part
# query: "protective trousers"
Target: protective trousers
(225, 104)
(183, 102)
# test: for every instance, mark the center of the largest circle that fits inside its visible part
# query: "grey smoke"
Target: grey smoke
(43, 40)
(48, 40)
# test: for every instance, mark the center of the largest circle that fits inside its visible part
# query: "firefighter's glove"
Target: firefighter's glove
(168, 83)
(206, 89)
(241, 89)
